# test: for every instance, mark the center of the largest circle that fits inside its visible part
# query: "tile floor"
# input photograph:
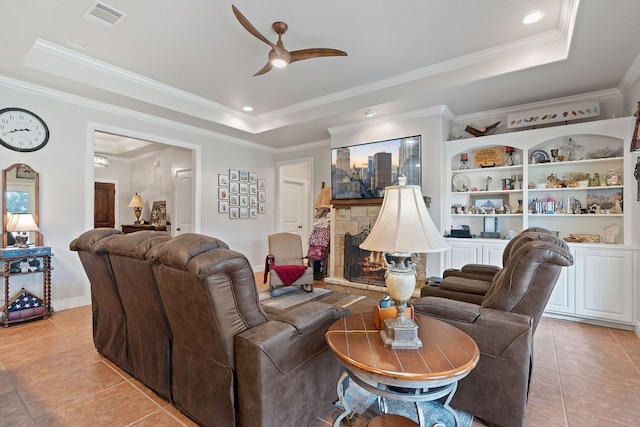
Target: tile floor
(51, 375)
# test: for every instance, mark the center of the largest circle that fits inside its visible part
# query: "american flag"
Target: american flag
(25, 301)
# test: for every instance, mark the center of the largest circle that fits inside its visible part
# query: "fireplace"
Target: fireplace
(352, 217)
(362, 266)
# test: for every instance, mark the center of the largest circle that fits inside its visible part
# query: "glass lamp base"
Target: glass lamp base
(401, 333)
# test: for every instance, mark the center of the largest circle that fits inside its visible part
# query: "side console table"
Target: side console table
(19, 261)
(126, 229)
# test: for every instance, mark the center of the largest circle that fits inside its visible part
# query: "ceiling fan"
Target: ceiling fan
(280, 57)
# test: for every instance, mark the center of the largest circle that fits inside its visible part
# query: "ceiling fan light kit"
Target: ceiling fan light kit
(279, 57)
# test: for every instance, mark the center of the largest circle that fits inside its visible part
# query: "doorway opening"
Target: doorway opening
(138, 164)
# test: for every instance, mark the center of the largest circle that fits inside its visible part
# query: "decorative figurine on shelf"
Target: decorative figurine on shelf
(571, 148)
(480, 131)
(508, 161)
(611, 231)
(464, 158)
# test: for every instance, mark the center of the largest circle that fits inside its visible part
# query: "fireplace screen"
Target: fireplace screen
(362, 266)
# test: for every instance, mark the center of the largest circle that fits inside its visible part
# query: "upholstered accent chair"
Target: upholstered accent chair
(109, 319)
(286, 250)
(503, 325)
(471, 282)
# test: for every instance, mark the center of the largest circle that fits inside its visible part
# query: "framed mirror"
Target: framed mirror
(20, 194)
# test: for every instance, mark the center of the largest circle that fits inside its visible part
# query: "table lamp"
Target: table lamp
(137, 204)
(402, 231)
(22, 223)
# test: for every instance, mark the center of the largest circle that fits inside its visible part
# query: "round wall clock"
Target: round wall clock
(22, 130)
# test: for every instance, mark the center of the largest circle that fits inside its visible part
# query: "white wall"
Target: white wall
(67, 174)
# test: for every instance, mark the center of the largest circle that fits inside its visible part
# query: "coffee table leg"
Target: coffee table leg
(343, 402)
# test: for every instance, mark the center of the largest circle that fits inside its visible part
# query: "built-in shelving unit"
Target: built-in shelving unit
(555, 190)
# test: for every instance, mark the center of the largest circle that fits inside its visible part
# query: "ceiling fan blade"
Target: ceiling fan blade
(299, 55)
(247, 25)
(264, 69)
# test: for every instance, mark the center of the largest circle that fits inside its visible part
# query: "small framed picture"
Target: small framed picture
(234, 175)
(223, 193)
(244, 188)
(223, 206)
(253, 189)
(234, 200)
(244, 213)
(262, 196)
(253, 201)
(223, 180)
(253, 177)
(253, 213)
(244, 200)
(234, 187)
(234, 213)
(490, 224)
(244, 176)
(262, 184)
(262, 208)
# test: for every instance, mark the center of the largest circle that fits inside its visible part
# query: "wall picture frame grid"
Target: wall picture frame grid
(242, 194)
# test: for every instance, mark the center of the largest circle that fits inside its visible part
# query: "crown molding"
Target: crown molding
(424, 112)
(601, 95)
(120, 111)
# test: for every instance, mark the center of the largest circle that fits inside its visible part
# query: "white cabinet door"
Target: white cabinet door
(492, 252)
(603, 279)
(562, 299)
(463, 251)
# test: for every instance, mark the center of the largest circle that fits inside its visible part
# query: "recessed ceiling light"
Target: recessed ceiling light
(369, 113)
(533, 17)
(247, 108)
(77, 43)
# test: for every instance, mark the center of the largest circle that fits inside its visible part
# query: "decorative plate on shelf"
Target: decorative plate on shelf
(540, 156)
(461, 182)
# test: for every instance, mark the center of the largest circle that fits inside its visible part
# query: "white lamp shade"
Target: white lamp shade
(404, 224)
(22, 222)
(136, 201)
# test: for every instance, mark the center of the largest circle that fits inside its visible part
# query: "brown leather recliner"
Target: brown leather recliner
(109, 320)
(231, 365)
(471, 282)
(502, 326)
(148, 333)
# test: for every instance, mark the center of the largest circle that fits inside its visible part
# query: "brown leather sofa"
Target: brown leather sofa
(231, 362)
(502, 326)
(109, 320)
(148, 334)
(471, 282)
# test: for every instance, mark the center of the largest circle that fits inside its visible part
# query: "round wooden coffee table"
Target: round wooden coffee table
(428, 373)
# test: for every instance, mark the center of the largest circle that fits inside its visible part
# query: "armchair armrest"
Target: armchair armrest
(494, 331)
(291, 338)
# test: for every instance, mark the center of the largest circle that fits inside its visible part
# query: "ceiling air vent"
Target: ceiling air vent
(103, 14)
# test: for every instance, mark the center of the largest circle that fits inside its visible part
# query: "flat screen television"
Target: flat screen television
(363, 171)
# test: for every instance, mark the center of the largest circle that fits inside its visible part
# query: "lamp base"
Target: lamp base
(21, 241)
(400, 334)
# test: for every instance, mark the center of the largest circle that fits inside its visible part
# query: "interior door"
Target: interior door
(104, 212)
(293, 207)
(184, 203)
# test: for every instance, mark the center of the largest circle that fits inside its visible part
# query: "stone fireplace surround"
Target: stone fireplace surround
(354, 216)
